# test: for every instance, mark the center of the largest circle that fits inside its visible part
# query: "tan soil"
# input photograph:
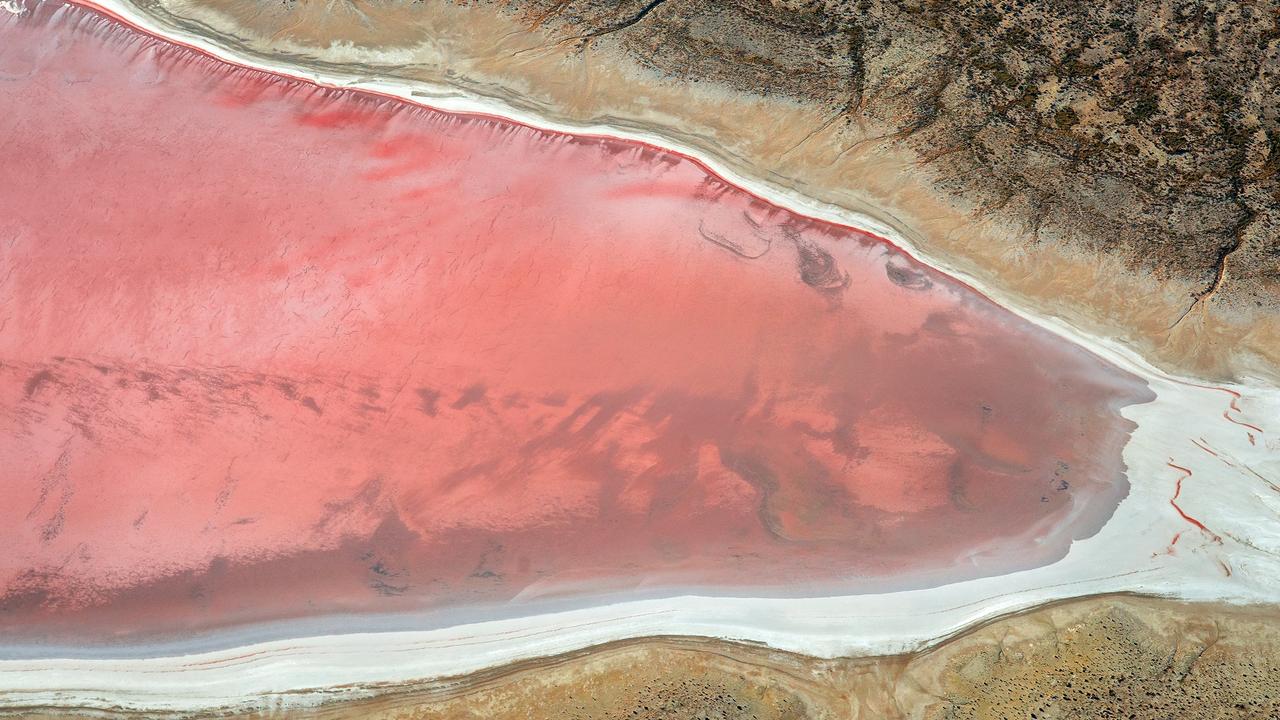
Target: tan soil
(1061, 200)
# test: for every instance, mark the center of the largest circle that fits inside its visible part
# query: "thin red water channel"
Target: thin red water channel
(272, 350)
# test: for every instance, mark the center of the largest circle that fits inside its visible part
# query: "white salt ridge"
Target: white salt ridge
(1236, 495)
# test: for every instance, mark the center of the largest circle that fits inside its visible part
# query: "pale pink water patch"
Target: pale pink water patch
(270, 350)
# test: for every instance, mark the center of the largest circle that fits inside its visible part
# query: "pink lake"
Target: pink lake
(273, 351)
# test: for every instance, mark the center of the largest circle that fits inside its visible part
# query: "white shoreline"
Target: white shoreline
(1123, 556)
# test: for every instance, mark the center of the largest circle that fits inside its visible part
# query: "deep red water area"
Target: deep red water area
(270, 350)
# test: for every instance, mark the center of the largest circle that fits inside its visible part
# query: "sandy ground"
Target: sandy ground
(779, 141)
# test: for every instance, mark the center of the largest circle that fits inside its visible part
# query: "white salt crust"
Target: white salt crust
(1235, 494)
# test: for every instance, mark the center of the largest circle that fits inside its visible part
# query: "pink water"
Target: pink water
(269, 350)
